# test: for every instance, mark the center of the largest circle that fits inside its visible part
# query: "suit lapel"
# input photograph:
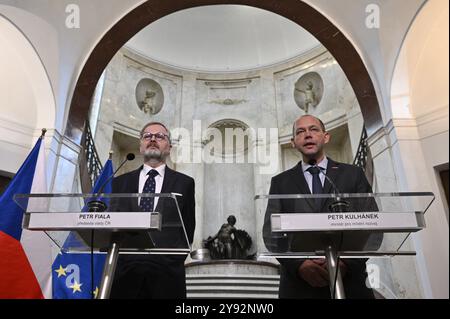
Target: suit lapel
(167, 186)
(134, 187)
(169, 179)
(332, 173)
(299, 179)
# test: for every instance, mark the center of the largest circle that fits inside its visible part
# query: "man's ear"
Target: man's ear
(292, 142)
(327, 137)
(141, 151)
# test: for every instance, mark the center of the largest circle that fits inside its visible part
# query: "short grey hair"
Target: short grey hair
(156, 123)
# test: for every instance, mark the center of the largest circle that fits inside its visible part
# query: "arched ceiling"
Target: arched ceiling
(222, 38)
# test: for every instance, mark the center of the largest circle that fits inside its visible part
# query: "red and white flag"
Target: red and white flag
(25, 256)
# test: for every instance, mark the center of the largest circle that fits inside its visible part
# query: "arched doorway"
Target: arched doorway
(297, 11)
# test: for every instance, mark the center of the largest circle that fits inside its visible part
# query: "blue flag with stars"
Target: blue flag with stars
(72, 271)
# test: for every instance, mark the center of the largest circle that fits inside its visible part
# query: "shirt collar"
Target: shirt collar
(160, 169)
(323, 164)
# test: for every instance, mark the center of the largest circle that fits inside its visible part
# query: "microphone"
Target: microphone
(130, 157)
(98, 205)
(313, 162)
(339, 205)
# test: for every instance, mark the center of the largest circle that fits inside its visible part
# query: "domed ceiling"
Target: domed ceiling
(222, 38)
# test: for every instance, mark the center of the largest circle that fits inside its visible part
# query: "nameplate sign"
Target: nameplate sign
(106, 220)
(394, 221)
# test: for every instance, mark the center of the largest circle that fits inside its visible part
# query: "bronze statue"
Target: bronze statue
(229, 242)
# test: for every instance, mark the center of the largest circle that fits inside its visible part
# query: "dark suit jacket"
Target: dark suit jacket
(347, 179)
(165, 275)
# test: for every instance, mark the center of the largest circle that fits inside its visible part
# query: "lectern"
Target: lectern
(336, 226)
(112, 223)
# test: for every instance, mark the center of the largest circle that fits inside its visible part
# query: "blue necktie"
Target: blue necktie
(316, 184)
(146, 203)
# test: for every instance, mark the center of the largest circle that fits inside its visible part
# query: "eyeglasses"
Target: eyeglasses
(312, 130)
(158, 136)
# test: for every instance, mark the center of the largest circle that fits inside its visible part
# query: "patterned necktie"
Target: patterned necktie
(316, 184)
(146, 203)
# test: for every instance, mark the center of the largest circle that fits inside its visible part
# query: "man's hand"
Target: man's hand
(342, 268)
(314, 272)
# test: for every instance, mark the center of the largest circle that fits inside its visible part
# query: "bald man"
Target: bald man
(309, 278)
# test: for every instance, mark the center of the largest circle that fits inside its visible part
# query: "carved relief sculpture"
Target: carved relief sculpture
(149, 96)
(148, 105)
(308, 91)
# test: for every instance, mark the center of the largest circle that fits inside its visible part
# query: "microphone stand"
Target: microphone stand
(109, 268)
(97, 205)
(338, 205)
(331, 251)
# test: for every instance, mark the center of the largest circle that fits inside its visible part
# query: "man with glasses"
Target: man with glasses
(155, 276)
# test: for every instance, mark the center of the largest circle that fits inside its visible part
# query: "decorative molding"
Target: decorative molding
(69, 150)
(136, 61)
(306, 64)
(378, 142)
(227, 92)
(228, 101)
(334, 118)
(26, 147)
(419, 128)
(229, 123)
(16, 127)
(71, 145)
(435, 114)
(15, 133)
(127, 130)
(227, 83)
(285, 139)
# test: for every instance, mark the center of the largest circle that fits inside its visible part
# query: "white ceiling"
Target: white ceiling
(222, 38)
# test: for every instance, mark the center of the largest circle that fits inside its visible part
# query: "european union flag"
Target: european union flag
(72, 271)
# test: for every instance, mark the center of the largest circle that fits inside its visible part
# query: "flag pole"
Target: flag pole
(43, 131)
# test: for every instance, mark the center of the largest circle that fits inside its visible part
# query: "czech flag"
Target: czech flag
(25, 256)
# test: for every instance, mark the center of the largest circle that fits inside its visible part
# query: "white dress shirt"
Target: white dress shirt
(308, 176)
(159, 179)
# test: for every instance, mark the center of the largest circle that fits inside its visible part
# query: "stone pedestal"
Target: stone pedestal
(232, 279)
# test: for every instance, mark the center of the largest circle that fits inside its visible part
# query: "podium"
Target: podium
(107, 223)
(334, 226)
